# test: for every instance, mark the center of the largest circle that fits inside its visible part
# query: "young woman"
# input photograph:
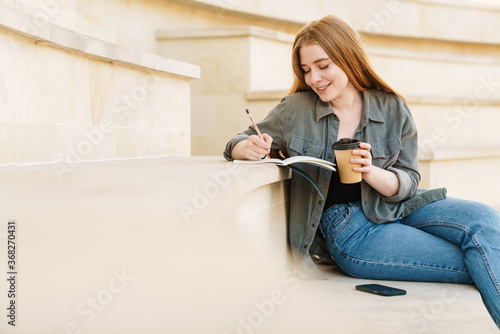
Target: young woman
(384, 227)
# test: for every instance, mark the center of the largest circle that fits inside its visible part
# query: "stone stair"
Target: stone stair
(69, 97)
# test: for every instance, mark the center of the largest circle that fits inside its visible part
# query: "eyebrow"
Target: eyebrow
(316, 61)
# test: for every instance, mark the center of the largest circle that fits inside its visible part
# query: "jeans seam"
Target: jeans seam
(478, 246)
(346, 219)
(347, 271)
(342, 226)
(339, 230)
(395, 263)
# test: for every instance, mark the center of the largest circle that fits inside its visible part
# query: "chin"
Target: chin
(325, 98)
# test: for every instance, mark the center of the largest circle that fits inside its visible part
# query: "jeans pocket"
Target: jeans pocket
(334, 220)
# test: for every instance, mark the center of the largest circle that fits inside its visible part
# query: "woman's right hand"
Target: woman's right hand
(253, 148)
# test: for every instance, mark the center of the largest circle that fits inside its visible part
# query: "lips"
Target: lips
(322, 88)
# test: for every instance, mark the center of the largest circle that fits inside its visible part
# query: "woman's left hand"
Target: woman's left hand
(365, 159)
(384, 181)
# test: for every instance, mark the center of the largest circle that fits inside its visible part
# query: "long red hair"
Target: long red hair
(344, 47)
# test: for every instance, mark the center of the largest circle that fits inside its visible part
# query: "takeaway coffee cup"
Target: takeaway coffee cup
(343, 153)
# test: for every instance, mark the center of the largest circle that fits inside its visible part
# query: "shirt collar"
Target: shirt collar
(322, 109)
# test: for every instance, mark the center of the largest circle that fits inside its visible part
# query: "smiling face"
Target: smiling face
(322, 75)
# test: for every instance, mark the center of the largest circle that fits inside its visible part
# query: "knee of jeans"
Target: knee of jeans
(486, 213)
(485, 218)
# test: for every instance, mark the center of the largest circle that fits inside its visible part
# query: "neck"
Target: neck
(350, 99)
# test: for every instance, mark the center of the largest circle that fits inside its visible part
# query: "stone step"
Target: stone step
(65, 96)
(186, 245)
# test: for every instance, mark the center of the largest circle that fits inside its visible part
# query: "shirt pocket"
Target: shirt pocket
(303, 146)
(386, 153)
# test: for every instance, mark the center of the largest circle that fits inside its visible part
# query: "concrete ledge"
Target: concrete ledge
(468, 175)
(423, 19)
(224, 32)
(455, 154)
(202, 243)
(276, 96)
(120, 235)
(48, 33)
(69, 97)
(266, 95)
(431, 308)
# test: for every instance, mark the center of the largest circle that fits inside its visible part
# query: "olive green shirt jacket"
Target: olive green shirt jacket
(302, 124)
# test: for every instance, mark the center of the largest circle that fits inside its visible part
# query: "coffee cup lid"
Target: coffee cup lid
(346, 144)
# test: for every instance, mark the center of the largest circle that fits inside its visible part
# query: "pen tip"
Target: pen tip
(247, 111)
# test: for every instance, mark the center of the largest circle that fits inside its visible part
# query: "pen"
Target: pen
(255, 125)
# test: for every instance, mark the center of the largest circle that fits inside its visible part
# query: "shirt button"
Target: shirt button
(365, 202)
(320, 202)
(330, 156)
(313, 225)
(305, 246)
(377, 219)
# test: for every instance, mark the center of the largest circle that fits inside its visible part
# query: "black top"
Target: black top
(339, 193)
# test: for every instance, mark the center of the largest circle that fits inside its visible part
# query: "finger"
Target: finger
(268, 139)
(254, 152)
(361, 169)
(257, 142)
(364, 162)
(362, 153)
(254, 157)
(366, 146)
(257, 153)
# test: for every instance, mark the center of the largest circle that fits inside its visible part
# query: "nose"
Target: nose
(315, 75)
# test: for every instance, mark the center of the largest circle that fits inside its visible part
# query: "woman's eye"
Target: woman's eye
(305, 72)
(324, 67)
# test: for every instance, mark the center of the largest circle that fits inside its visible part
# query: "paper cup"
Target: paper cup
(343, 153)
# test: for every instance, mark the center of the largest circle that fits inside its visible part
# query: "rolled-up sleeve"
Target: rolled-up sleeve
(232, 143)
(406, 165)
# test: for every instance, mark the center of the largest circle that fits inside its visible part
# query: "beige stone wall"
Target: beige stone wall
(66, 97)
(442, 55)
(453, 90)
(237, 73)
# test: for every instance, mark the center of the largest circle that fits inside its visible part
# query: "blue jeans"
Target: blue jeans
(450, 240)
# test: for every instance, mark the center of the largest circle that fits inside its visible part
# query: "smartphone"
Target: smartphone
(380, 290)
